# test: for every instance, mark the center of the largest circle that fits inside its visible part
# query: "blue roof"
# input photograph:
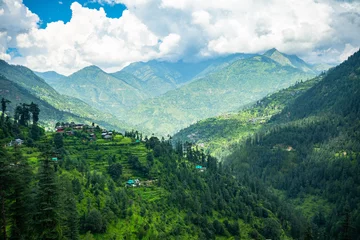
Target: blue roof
(130, 181)
(198, 167)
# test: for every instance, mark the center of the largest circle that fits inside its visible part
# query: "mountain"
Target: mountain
(303, 143)
(158, 77)
(220, 135)
(20, 84)
(50, 77)
(241, 83)
(100, 90)
(288, 60)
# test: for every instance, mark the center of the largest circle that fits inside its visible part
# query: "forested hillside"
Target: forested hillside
(311, 154)
(220, 135)
(79, 185)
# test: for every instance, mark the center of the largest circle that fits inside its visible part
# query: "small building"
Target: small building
(69, 133)
(16, 142)
(54, 159)
(200, 168)
(60, 129)
(133, 183)
(107, 137)
(79, 126)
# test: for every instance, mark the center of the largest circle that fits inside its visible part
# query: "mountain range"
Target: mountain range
(163, 97)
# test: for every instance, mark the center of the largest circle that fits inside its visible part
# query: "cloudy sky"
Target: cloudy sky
(66, 35)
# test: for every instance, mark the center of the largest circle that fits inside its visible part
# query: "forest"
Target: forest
(74, 185)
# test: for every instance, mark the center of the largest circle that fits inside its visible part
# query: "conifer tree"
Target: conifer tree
(20, 198)
(46, 217)
(5, 178)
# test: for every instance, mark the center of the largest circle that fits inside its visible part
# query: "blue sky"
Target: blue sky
(55, 10)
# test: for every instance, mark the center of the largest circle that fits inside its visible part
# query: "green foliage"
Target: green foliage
(219, 135)
(310, 150)
(47, 199)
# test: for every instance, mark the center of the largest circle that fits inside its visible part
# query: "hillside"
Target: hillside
(220, 135)
(310, 153)
(100, 90)
(50, 77)
(241, 83)
(26, 86)
(85, 186)
(158, 77)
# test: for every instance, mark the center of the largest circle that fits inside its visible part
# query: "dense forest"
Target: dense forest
(310, 154)
(77, 185)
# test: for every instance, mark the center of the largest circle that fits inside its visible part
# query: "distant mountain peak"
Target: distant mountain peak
(288, 60)
(92, 67)
(87, 70)
(271, 52)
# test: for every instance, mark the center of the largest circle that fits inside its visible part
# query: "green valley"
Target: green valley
(233, 87)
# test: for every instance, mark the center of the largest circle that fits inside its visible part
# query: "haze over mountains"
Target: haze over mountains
(163, 97)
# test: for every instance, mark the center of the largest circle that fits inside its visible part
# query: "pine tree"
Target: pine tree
(46, 217)
(5, 179)
(20, 212)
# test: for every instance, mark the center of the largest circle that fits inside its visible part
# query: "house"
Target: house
(69, 133)
(16, 142)
(60, 129)
(200, 168)
(133, 183)
(107, 137)
(79, 126)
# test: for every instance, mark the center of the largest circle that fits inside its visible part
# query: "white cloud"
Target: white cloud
(15, 18)
(316, 30)
(91, 38)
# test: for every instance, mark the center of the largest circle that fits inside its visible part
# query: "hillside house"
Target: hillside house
(108, 137)
(79, 126)
(16, 142)
(200, 168)
(69, 133)
(133, 183)
(60, 129)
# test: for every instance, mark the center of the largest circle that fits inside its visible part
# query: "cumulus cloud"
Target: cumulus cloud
(316, 30)
(92, 38)
(15, 18)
